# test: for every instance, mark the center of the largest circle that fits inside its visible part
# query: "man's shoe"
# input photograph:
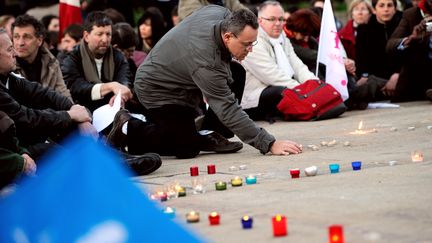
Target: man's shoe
(214, 142)
(116, 137)
(143, 164)
(429, 94)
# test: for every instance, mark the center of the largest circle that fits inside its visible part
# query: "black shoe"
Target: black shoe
(116, 137)
(214, 142)
(429, 94)
(143, 164)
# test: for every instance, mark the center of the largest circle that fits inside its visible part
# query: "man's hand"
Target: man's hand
(350, 66)
(418, 32)
(79, 113)
(285, 147)
(390, 87)
(86, 128)
(116, 87)
(29, 165)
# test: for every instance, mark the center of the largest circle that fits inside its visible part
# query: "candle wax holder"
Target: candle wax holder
(247, 222)
(214, 218)
(181, 192)
(334, 168)
(211, 169)
(416, 156)
(356, 165)
(220, 185)
(198, 186)
(237, 181)
(170, 212)
(192, 217)
(194, 171)
(279, 225)
(295, 173)
(251, 180)
(336, 234)
(311, 171)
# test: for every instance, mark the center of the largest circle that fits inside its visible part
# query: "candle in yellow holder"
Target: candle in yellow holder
(192, 217)
(237, 181)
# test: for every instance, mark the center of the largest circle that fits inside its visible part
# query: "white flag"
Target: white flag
(330, 52)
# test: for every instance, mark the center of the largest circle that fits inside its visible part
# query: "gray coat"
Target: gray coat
(191, 61)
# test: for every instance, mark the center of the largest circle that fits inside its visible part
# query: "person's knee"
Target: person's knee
(187, 154)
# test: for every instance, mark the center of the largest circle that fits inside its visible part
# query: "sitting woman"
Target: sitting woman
(360, 11)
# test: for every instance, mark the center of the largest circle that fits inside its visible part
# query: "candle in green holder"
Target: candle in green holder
(221, 185)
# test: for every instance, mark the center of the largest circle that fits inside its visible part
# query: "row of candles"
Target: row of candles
(279, 224)
(237, 181)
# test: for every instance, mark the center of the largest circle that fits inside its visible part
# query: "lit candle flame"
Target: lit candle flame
(360, 126)
(278, 217)
(246, 218)
(213, 214)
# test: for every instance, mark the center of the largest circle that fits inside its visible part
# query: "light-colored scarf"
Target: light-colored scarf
(281, 57)
(89, 64)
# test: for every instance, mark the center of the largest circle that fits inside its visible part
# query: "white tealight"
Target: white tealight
(311, 171)
(411, 128)
(243, 167)
(429, 127)
(392, 162)
(393, 129)
(233, 168)
(324, 143)
(332, 143)
(347, 143)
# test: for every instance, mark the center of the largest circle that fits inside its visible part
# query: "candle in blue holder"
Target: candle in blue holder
(251, 180)
(334, 168)
(170, 212)
(356, 165)
(247, 222)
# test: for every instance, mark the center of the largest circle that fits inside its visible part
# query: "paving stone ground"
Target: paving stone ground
(379, 203)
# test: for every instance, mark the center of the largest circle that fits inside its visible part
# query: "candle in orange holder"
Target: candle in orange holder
(416, 156)
(279, 225)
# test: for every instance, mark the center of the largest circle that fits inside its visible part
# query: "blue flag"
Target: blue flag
(84, 194)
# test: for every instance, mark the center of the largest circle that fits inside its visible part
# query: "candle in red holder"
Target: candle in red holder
(211, 169)
(214, 218)
(279, 225)
(295, 173)
(336, 234)
(194, 171)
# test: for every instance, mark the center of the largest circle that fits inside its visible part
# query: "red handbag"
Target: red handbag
(311, 100)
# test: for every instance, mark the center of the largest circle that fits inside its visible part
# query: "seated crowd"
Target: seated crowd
(189, 89)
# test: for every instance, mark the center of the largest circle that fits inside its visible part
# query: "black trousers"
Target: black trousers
(267, 105)
(171, 129)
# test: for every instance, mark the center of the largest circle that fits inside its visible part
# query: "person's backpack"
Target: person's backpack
(311, 100)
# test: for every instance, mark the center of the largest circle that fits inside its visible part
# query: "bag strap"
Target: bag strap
(301, 96)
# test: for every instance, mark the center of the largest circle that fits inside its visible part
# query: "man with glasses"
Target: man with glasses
(272, 67)
(189, 64)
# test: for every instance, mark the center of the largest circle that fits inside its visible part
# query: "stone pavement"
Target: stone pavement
(379, 203)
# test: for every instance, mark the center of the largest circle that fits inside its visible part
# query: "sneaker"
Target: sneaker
(214, 142)
(143, 164)
(116, 137)
(429, 94)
